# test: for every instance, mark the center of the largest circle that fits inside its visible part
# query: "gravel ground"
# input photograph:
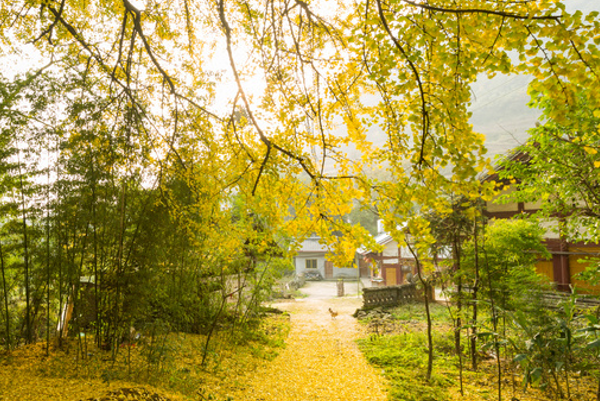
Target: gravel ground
(328, 289)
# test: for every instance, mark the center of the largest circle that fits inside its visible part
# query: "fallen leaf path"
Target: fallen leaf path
(321, 360)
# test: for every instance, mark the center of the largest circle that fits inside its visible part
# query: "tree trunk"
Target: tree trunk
(212, 329)
(495, 324)
(474, 298)
(458, 320)
(5, 293)
(119, 272)
(60, 284)
(95, 257)
(425, 285)
(28, 335)
(48, 261)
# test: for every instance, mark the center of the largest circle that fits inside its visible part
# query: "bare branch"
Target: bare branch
(48, 31)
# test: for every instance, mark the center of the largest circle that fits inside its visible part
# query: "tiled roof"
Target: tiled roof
(381, 239)
(312, 245)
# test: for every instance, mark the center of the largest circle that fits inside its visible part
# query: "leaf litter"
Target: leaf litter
(320, 361)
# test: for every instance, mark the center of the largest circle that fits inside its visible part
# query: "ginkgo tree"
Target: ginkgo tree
(179, 108)
(421, 58)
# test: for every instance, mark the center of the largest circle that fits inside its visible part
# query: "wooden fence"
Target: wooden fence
(553, 298)
(402, 294)
(390, 296)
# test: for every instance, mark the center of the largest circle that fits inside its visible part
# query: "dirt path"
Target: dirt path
(321, 360)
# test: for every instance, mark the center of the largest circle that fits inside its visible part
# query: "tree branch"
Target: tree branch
(413, 67)
(264, 139)
(481, 11)
(262, 167)
(48, 31)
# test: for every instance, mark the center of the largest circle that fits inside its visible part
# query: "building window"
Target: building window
(311, 263)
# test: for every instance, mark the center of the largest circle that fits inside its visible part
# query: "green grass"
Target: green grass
(416, 312)
(403, 360)
(402, 357)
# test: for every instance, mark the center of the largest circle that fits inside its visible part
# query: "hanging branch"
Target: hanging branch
(551, 65)
(112, 72)
(415, 71)
(481, 11)
(305, 164)
(48, 31)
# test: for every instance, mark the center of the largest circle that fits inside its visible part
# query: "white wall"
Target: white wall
(338, 272)
(300, 261)
(391, 249)
(345, 272)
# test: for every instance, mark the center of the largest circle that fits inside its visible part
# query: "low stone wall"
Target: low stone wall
(286, 286)
(391, 296)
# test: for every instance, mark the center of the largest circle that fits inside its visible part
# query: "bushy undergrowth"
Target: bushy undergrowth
(550, 356)
(170, 360)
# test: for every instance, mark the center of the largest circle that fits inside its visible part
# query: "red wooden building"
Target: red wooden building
(566, 257)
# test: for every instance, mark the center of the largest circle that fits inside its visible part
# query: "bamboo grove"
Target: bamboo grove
(91, 231)
(152, 152)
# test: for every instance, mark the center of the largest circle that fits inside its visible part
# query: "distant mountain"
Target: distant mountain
(500, 108)
(500, 111)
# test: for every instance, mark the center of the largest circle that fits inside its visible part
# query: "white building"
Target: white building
(311, 259)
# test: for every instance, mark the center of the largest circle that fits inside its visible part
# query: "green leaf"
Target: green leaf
(520, 357)
(536, 375)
